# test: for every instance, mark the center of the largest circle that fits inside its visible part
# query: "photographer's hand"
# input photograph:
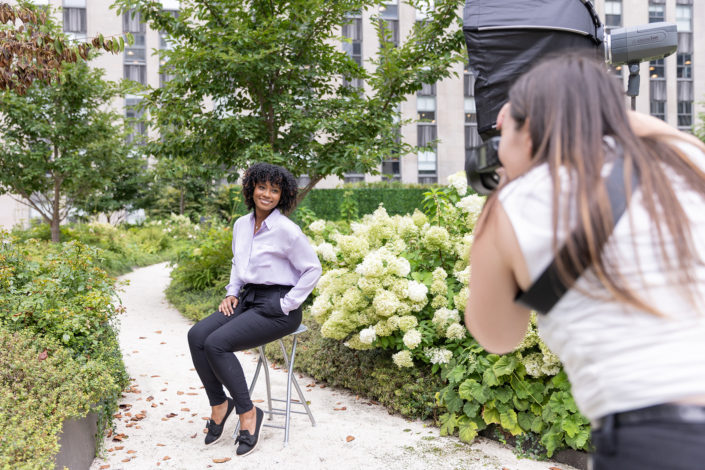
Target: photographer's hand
(228, 305)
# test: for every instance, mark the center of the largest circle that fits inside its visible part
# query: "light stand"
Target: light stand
(633, 83)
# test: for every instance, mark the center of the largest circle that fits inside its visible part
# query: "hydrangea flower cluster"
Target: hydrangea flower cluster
(538, 364)
(401, 282)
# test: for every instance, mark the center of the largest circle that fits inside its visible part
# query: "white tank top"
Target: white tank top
(618, 358)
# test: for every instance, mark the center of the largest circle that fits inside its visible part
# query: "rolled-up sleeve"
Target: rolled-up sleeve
(304, 259)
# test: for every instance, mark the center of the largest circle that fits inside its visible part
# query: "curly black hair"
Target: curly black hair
(275, 175)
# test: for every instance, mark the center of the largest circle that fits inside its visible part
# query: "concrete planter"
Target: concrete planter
(571, 457)
(77, 441)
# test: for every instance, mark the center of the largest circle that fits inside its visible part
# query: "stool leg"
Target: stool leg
(252, 387)
(296, 384)
(266, 378)
(288, 391)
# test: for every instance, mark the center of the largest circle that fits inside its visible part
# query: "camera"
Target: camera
(505, 38)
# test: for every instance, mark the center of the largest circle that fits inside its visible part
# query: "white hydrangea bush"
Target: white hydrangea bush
(402, 282)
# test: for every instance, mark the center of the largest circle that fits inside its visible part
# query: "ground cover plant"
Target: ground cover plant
(66, 306)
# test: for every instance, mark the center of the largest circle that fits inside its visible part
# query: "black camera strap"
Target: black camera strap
(549, 288)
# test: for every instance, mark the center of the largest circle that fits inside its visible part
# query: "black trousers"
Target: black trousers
(650, 446)
(258, 319)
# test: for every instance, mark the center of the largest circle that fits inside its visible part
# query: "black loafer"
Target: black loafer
(248, 442)
(215, 431)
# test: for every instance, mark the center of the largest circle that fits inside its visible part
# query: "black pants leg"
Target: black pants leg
(214, 339)
(650, 446)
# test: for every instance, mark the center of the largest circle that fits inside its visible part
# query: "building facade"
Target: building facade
(672, 89)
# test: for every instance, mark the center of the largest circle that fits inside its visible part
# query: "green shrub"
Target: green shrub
(37, 395)
(194, 304)
(326, 203)
(206, 260)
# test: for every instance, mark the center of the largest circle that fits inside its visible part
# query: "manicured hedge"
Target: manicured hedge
(326, 202)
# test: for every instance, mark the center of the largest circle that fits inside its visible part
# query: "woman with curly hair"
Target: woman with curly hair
(274, 269)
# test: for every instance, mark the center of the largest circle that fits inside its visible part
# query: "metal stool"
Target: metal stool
(262, 362)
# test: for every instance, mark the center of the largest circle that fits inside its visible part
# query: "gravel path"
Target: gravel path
(163, 418)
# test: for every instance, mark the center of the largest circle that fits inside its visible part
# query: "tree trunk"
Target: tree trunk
(181, 202)
(302, 194)
(55, 217)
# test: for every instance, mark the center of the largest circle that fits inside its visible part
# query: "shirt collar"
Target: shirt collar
(270, 220)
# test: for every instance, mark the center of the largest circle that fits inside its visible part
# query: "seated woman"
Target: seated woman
(274, 270)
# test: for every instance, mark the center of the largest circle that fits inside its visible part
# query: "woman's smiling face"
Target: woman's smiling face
(266, 196)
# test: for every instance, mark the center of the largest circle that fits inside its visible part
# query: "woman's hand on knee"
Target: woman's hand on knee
(228, 305)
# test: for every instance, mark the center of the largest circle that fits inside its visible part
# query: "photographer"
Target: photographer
(630, 330)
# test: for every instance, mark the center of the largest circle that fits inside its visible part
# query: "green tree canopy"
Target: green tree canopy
(274, 71)
(61, 142)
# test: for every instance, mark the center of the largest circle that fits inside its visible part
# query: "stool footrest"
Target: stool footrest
(290, 411)
(284, 401)
(273, 426)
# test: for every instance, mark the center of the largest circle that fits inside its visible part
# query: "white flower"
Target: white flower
(385, 303)
(438, 355)
(460, 182)
(444, 316)
(403, 359)
(368, 335)
(417, 292)
(456, 331)
(412, 338)
(463, 276)
(401, 267)
(317, 226)
(327, 252)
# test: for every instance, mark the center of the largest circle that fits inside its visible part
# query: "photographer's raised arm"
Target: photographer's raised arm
(498, 270)
(644, 125)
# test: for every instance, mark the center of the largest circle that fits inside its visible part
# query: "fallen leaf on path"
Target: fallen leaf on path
(374, 402)
(158, 332)
(154, 405)
(339, 403)
(111, 450)
(205, 431)
(135, 351)
(167, 458)
(308, 390)
(323, 386)
(43, 355)
(257, 401)
(192, 369)
(221, 460)
(185, 409)
(554, 468)
(171, 415)
(155, 376)
(205, 419)
(163, 390)
(143, 337)
(162, 342)
(201, 387)
(194, 435)
(127, 460)
(340, 409)
(130, 425)
(138, 427)
(102, 467)
(179, 393)
(143, 375)
(192, 394)
(192, 388)
(131, 451)
(119, 447)
(140, 416)
(358, 397)
(194, 414)
(349, 438)
(118, 416)
(161, 445)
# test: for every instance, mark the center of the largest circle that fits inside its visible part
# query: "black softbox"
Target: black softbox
(506, 37)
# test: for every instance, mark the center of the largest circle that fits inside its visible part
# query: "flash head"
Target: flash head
(641, 43)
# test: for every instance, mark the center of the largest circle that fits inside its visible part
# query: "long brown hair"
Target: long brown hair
(570, 104)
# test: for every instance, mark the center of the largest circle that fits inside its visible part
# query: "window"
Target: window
(426, 108)
(391, 165)
(75, 19)
(424, 9)
(135, 57)
(658, 109)
(657, 69)
(613, 13)
(656, 13)
(353, 31)
(389, 10)
(684, 66)
(133, 113)
(685, 114)
(470, 110)
(165, 44)
(684, 18)
(427, 167)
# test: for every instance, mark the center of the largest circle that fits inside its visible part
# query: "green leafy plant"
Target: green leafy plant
(207, 260)
(348, 208)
